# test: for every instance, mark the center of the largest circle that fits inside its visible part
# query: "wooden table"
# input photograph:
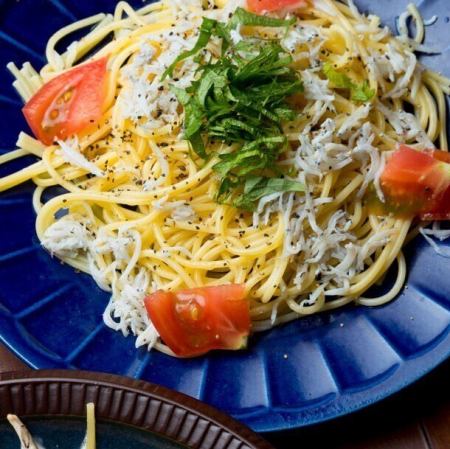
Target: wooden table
(417, 418)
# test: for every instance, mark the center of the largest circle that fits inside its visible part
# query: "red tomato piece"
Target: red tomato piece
(443, 156)
(262, 6)
(440, 210)
(418, 183)
(68, 104)
(194, 321)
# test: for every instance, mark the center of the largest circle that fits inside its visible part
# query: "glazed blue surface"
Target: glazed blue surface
(68, 433)
(305, 372)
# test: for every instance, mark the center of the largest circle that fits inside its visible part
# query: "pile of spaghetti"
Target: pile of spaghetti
(233, 148)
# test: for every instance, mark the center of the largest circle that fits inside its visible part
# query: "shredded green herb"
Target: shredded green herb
(256, 187)
(243, 17)
(241, 100)
(359, 92)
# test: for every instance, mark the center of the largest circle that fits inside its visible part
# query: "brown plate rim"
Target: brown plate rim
(124, 400)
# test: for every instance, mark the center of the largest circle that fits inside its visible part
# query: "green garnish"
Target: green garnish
(256, 187)
(208, 28)
(211, 27)
(243, 17)
(240, 100)
(359, 92)
(362, 92)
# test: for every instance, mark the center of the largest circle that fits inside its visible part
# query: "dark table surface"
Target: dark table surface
(416, 418)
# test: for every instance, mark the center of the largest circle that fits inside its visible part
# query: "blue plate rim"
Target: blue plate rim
(394, 384)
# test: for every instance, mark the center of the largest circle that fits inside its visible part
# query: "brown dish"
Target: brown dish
(123, 400)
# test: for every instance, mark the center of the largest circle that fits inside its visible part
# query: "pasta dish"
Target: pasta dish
(226, 166)
(28, 442)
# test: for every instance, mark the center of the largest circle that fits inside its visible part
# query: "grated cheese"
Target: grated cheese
(70, 151)
(435, 232)
(407, 125)
(370, 157)
(146, 99)
(324, 6)
(319, 155)
(126, 310)
(118, 245)
(180, 210)
(299, 35)
(355, 119)
(316, 88)
(400, 87)
(67, 236)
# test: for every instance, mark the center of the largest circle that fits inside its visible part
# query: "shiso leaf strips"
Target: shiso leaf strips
(240, 99)
(359, 92)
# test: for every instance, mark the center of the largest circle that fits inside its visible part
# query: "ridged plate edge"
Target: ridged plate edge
(127, 401)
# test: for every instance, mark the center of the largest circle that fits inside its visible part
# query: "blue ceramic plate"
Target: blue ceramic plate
(305, 372)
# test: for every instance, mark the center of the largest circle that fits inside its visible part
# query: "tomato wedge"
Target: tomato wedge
(68, 104)
(262, 6)
(418, 183)
(194, 321)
